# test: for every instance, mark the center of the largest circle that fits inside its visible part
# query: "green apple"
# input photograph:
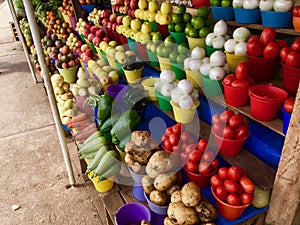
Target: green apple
(151, 16)
(132, 34)
(173, 55)
(183, 48)
(226, 3)
(153, 47)
(121, 57)
(179, 27)
(113, 43)
(159, 49)
(126, 21)
(137, 36)
(153, 6)
(181, 9)
(187, 17)
(166, 7)
(136, 24)
(119, 29)
(180, 58)
(114, 76)
(169, 41)
(145, 37)
(166, 50)
(157, 16)
(103, 45)
(148, 45)
(197, 22)
(120, 48)
(146, 28)
(128, 32)
(156, 37)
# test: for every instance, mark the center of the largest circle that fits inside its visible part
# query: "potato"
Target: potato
(141, 137)
(162, 162)
(172, 189)
(176, 196)
(145, 222)
(129, 160)
(138, 168)
(158, 198)
(191, 195)
(168, 221)
(147, 183)
(182, 214)
(206, 211)
(151, 172)
(164, 181)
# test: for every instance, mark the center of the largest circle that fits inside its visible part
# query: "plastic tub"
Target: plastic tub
(137, 189)
(265, 101)
(228, 147)
(133, 76)
(132, 213)
(102, 186)
(178, 70)
(286, 120)
(247, 16)
(160, 210)
(148, 85)
(212, 87)
(233, 60)
(182, 115)
(296, 23)
(132, 45)
(116, 90)
(276, 19)
(227, 211)
(290, 79)
(203, 180)
(164, 63)
(154, 26)
(222, 13)
(179, 37)
(69, 74)
(210, 50)
(262, 69)
(194, 42)
(198, 3)
(195, 77)
(236, 96)
(163, 101)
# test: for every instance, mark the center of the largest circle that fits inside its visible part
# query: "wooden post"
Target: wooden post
(286, 190)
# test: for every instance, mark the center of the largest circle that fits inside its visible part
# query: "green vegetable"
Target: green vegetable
(109, 159)
(92, 146)
(89, 155)
(99, 155)
(104, 107)
(107, 125)
(124, 141)
(128, 122)
(135, 99)
(115, 168)
(92, 137)
(115, 140)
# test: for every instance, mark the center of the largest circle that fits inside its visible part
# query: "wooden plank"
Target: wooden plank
(286, 191)
(112, 203)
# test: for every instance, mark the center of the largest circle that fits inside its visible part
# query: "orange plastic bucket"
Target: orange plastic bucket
(236, 96)
(290, 78)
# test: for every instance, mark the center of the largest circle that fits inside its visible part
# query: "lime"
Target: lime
(180, 9)
(187, 17)
(177, 18)
(208, 22)
(183, 48)
(156, 37)
(179, 27)
(188, 26)
(169, 41)
(171, 27)
(194, 33)
(203, 12)
(166, 50)
(173, 55)
(215, 2)
(204, 31)
(180, 58)
(197, 22)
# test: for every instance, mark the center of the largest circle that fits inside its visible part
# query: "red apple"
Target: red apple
(120, 2)
(114, 26)
(132, 13)
(83, 48)
(96, 41)
(65, 65)
(109, 25)
(100, 33)
(80, 43)
(113, 17)
(105, 13)
(133, 4)
(105, 21)
(126, 2)
(86, 33)
(88, 26)
(89, 52)
(91, 36)
(93, 29)
(117, 8)
(125, 9)
(106, 39)
(119, 19)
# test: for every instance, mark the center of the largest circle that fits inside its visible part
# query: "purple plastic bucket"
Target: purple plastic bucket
(132, 213)
(116, 90)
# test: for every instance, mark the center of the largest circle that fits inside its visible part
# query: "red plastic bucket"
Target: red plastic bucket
(290, 78)
(163, 29)
(228, 147)
(203, 180)
(198, 3)
(142, 51)
(265, 101)
(262, 69)
(236, 96)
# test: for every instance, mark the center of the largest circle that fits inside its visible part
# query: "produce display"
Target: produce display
(217, 38)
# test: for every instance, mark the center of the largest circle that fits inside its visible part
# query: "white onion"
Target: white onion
(205, 68)
(195, 64)
(250, 4)
(283, 5)
(216, 73)
(205, 60)
(176, 94)
(218, 42)
(166, 89)
(227, 37)
(185, 86)
(209, 39)
(266, 5)
(220, 28)
(168, 75)
(186, 101)
(226, 68)
(186, 62)
(229, 45)
(195, 94)
(198, 52)
(241, 34)
(241, 48)
(158, 85)
(217, 58)
(237, 3)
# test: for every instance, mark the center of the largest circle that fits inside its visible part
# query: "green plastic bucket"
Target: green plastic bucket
(164, 102)
(179, 37)
(154, 26)
(178, 70)
(70, 74)
(210, 50)
(212, 87)
(153, 60)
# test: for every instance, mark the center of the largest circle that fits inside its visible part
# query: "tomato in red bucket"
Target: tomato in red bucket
(267, 35)
(271, 50)
(296, 11)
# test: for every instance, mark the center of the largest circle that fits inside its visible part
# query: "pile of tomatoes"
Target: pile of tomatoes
(233, 186)
(265, 45)
(176, 139)
(241, 77)
(200, 160)
(290, 56)
(230, 125)
(288, 104)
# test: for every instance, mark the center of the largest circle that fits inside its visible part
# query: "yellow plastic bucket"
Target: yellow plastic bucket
(194, 42)
(184, 115)
(88, 161)
(195, 77)
(133, 76)
(164, 63)
(148, 85)
(102, 186)
(233, 60)
(69, 74)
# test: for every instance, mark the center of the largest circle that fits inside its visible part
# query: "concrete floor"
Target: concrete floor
(33, 173)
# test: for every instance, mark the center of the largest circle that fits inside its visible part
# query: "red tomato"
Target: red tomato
(222, 172)
(167, 145)
(284, 52)
(282, 43)
(255, 48)
(177, 128)
(218, 128)
(215, 164)
(205, 167)
(251, 81)
(247, 185)
(233, 199)
(221, 193)
(208, 156)
(267, 35)
(164, 137)
(241, 132)
(236, 120)
(184, 136)
(234, 173)
(215, 118)
(296, 45)
(176, 148)
(191, 166)
(216, 181)
(288, 104)
(184, 145)
(225, 116)
(242, 171)
(271, 51)
(195, 156)
(229, 133)
(296, 11)
(242, 71)
(174, 139)
(293, 59)
(246, 198)
(253, 38)
(240, 83)
(231, 186)
(229, 79)
(202, 144)
(169, 131)
(190, 148)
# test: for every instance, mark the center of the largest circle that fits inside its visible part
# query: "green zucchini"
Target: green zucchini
(109, 158)
(93, 145)
(94, 163)
(111, 171)
(108, 124)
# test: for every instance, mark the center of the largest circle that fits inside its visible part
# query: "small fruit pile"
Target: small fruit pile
(66, 59)
(230, 125)
(67, 8)
(233, 186)
(290, 56)
(164, 15)
(57, 26)
(179, 20)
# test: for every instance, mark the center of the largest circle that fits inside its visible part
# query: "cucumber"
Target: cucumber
(107, 125)
(114, 169)
(99, 155)
(109, 159)
(93, 145)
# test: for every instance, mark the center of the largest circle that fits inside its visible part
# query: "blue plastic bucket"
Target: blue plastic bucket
(88, 7)
(276, 19)
(247, 16)
(222, 13)
(286, 120)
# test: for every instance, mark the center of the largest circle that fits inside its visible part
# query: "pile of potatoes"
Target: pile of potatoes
(162, 178)
(188, 207)
(139, 150)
